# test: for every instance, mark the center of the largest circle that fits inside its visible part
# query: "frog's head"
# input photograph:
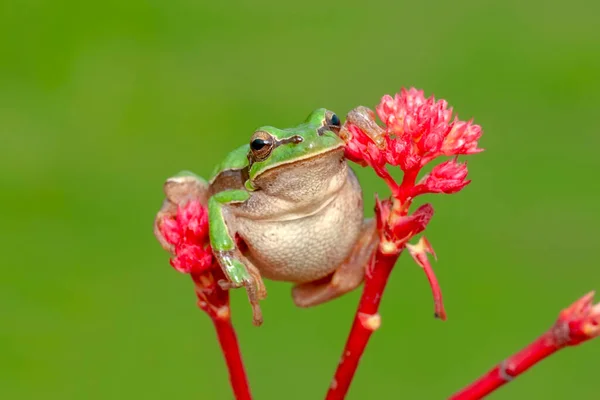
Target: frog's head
(280, 148)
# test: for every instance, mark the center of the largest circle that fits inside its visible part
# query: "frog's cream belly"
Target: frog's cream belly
(307, 248)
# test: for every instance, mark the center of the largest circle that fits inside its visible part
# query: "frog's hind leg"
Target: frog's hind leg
(346, 278)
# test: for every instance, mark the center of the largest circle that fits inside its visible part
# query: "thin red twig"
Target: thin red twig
(215, 302)
(231, 352)
(509, 369)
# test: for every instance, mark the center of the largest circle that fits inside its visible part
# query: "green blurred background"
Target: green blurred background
(101, 101)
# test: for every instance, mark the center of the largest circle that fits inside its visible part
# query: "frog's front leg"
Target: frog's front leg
(238, 269)
(346, 277)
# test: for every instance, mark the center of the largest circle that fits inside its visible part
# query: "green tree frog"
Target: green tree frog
(287, 207)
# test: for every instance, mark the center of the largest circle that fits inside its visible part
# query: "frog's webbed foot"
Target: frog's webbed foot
(242, 273)
(346, 278)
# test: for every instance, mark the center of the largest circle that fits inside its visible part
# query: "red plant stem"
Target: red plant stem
(233, 358)
(366, 321)
(510, 368)
(214, 301)
(408, 182)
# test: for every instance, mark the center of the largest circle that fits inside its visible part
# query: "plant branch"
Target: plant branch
(396, 228)
(576, 324)
(233, 359)
(509, 369)
(215, 302)
(366, 321)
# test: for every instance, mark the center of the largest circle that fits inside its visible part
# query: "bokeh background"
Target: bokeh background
(101, 101)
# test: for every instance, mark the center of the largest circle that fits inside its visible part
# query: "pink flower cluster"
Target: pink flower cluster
(417, 130)
(187, 231)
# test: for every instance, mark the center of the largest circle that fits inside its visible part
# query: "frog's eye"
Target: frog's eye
(261, 145)
(333, 122)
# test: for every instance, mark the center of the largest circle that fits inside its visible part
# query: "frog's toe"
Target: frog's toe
(226, 285)
(257, 318)
(255, 290)
(256, 280)
(254, 296)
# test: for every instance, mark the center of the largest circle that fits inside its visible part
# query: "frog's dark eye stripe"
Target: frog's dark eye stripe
(294, 139)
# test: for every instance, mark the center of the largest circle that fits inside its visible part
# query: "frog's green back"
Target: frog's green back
(237, 159)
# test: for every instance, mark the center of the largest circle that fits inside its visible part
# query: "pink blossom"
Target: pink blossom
(416, 130)
(462, 139)
(188, 233)
(447, 177)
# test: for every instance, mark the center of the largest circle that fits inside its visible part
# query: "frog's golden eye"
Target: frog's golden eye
(261, 145)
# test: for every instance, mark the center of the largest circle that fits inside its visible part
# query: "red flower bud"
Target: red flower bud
(404, 227)
(448, 177)
(462, 139)
(579, 322)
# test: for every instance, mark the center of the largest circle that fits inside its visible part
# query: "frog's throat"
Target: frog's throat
(294, 216)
